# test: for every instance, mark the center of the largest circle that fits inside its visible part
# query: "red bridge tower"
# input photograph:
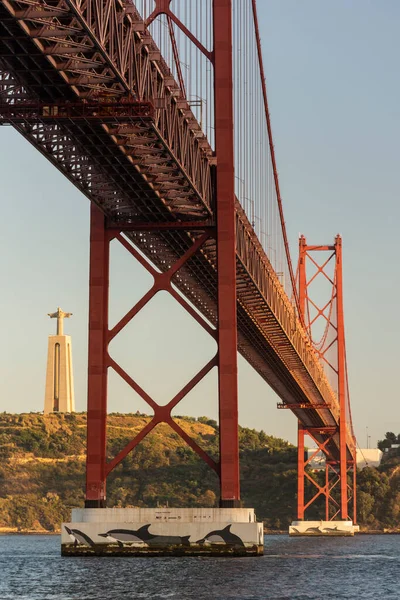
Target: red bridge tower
(338, 488)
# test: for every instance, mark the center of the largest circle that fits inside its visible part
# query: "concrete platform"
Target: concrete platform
(323, 528)
(162, 532)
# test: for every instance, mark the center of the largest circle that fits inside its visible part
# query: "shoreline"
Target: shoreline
(5, 531)
(362, 532)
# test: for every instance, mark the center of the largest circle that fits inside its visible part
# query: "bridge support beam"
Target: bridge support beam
(226, 331)
(102, 233)
(97, 367)
(99, 360)
(300, 472)
(337, 442)
(341, 370)
(226, 255)
(320, 487)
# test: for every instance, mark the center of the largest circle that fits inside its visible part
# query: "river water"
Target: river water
(363, 567)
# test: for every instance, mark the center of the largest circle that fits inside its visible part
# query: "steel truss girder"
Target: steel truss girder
(119, 60)
(282, 406)
(102, 111)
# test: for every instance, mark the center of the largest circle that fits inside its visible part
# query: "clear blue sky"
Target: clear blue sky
(334, 91)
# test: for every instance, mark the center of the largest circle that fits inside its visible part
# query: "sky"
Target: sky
(334, 91)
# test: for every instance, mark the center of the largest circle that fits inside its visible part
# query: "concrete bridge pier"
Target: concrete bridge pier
(323, 528)
(162, 532)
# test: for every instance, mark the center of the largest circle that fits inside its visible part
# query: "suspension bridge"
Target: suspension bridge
(157, 111)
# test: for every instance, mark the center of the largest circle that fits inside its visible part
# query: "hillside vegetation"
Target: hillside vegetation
(42, 464)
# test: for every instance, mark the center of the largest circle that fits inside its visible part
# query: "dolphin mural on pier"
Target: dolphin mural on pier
(316, 530)
(130, 536)
(222, 535)
(79, 537)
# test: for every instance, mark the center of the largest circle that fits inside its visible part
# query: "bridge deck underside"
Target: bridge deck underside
(269, 335)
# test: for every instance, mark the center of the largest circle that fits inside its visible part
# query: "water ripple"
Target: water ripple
(292, 569)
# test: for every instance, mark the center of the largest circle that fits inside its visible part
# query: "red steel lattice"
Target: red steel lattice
(226, 333)
(100, 361)
(333, 342)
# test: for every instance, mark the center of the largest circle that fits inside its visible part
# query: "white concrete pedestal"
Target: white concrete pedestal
(162, 531)
(323, 528)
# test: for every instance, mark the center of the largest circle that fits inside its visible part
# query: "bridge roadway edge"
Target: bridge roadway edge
(162, 532)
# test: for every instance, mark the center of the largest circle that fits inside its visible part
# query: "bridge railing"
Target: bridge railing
(256, 262)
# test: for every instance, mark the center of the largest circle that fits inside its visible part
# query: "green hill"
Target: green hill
(42, 465)
(42, 462)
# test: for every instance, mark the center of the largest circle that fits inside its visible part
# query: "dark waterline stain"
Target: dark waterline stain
(363, 567)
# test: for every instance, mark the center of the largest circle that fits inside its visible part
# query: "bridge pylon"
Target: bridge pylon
(335, 491)
(235, 527)
(100, 361)
(222, 228)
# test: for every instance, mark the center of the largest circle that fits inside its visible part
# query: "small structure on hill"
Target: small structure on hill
(59, 395)
(366, 457)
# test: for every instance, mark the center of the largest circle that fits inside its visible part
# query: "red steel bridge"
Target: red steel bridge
(157, 111)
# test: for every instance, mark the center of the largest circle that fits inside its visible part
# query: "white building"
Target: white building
(366, 457)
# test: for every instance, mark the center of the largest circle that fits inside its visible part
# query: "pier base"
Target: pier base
(323, 528)
(162, 532)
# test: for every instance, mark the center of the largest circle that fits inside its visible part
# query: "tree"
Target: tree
(365, 505)
(390, 439)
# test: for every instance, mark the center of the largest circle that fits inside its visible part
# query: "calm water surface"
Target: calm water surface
(295, 569)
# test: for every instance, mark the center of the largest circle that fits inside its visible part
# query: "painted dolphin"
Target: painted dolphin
(222, 535)
(295, 528)
(318, 529)
(79, 537)
(336, 528)
(143, 535)
(120, 536)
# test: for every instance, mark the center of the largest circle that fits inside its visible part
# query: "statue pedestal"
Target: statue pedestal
(59, 396)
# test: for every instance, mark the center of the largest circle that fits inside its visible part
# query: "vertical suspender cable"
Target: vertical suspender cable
(272, 150)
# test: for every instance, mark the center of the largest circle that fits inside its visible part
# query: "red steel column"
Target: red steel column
(341, 380)
(300, 431)
(226, 255)
(302, 277)
(97, 369)
(355, 490)
(300, 472)
(326, 492)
